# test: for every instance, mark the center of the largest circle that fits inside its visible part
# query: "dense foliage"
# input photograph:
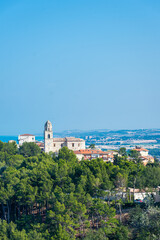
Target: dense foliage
(44, 196)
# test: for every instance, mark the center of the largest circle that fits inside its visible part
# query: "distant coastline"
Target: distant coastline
(15, 138)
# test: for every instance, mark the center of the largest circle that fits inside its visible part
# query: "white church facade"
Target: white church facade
(55, 144)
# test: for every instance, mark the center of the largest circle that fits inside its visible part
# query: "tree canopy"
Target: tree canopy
(44, 196)
(29, 149)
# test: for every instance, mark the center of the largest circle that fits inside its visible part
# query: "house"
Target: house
(40, 145)
(25, 138)
(90, 154)
(132, 194)
(141, 193)
(142, 151)
(12, 141)
(144, 156)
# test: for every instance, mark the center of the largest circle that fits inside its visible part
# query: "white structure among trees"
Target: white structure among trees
(25, 138)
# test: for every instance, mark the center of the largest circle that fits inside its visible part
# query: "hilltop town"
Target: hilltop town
(98, 147)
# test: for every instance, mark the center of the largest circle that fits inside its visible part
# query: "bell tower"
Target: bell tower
(48, 137)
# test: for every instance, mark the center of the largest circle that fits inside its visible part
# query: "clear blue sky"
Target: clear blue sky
(81, 64)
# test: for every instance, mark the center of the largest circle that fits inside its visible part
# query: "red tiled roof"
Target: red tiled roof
(26, 135)
(90, 151)
(40, 144)
(147, 157)
(140, 149)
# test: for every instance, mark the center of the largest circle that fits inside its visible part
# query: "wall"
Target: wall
(77, 145)
(144, 153)
(22, 139)
(57, 146)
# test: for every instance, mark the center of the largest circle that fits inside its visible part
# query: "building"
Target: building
(107, 156)
(12, 141)
(142, 151)
(133, 194)
(148, 159)
(144, 156)
(55, 144)
(40, 145)
(25, 138)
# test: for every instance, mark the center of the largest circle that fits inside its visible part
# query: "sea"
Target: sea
(15, 138)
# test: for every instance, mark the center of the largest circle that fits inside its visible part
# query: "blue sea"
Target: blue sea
(15, 138)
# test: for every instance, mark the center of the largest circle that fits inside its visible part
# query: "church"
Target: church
(55, 144)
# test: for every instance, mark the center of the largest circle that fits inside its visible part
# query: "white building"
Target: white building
(25, 138)
(55, 144)
(143, 152)
(144, 156)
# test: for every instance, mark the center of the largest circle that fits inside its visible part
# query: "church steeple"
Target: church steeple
(48, 137)
(48, 126)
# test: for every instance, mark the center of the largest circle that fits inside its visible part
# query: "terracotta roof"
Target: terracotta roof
(147, 157)
(40, 144)
(140, 149)
(89, 152)
(27, 135)
(137, 190)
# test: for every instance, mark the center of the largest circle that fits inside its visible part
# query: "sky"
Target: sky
(80, 64)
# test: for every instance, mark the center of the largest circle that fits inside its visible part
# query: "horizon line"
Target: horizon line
(78, 130)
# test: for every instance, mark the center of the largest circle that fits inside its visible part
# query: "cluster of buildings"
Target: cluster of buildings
(52, 144)
(144, 156)
(138, 195)
(107, 156)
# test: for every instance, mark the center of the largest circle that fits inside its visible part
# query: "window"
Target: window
(61, 144)
(48, 135)
(54, 145)
(78, 144)
(72, 144)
